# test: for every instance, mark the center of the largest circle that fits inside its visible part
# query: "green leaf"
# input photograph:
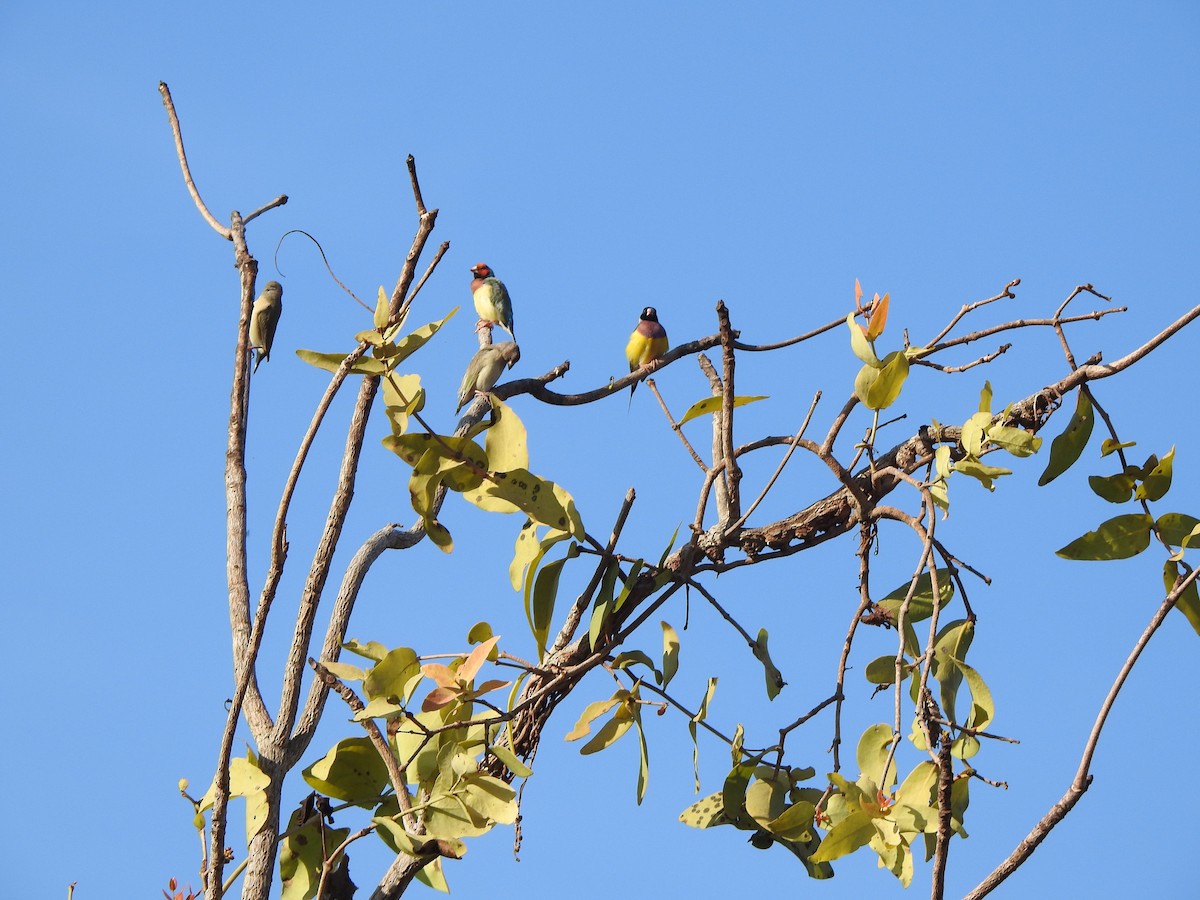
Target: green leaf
(603, 602)
(670, 663)
(1110, 446)
(881, 390)
(985, 399)
(973, 433)
(344, 671)
(1067, 447)
(921, 607)
(872, 754)
(1118, 538)
(1016, 441)
(774, 677)
(1158, 482)
(301, 856)
(860, 345)
(511, 761)
(543, 501)
(396, 675)
(982, 706)
(795, 822)
(351, 771)
(1179, 529)
(431, 875)
(479, 633)
(980, 472)
(381, 309)
(438, 534)
(372, 650)
(525, 552)
(643, 778)
(711, 405)
(1113, 488)
(609, 734)
(700, 716)
(881, 670)
(417, 339)
(629, 584)
(1188, 602)
(545, 591)
(591, 712)
(331, 362)
(854, 831)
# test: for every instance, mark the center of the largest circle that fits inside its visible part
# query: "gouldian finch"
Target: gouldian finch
(491, 299)
(263, 319)
(484, 369)
(647, 343)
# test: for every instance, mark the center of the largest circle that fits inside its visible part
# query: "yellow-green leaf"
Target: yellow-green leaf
(1118, 538)
(1188, 602)
(1113, 488)
(396, 675)
(774, 677)
(921, 606)
(1067, 447)
(543, 501)
(1016, 441)
(854, 831)
(381, 309)
(1108, 445)
(872, 754)
(670, 663)
(860, 345)
(1180, 529)
(1158, 482)
(885, 387)
(351, 771)
(980, 472)
(710, 405)
(331, 362)
(705, 813)
(417, 339)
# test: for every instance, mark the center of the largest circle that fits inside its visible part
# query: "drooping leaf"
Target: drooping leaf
(604, 601)
(710, 405)
(643, 779)
(700, 716)
(670, 663)
(511, 761)
(1118, 538)
(545, 592)
(1067, 447)
(872, 754)
(1188, 602)
(773, 676)
(973, 433)
(479, 632)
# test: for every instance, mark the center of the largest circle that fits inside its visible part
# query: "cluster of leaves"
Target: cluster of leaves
(1128, 534)
(437, 746)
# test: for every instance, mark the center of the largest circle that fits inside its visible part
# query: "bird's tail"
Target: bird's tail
(259, 356)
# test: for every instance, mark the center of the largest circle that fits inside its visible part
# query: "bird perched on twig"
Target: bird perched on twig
(263, 320)
(491, 299)
(647, 343)
(484, 370)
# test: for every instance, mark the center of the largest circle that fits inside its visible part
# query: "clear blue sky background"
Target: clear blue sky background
(601, 158)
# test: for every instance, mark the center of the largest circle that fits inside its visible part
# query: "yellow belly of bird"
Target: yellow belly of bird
(485, 306)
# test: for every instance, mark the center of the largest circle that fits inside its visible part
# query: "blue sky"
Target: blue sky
(600, 159)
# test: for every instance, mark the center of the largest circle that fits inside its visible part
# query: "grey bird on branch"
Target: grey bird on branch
(263, 320)
(484, 370)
